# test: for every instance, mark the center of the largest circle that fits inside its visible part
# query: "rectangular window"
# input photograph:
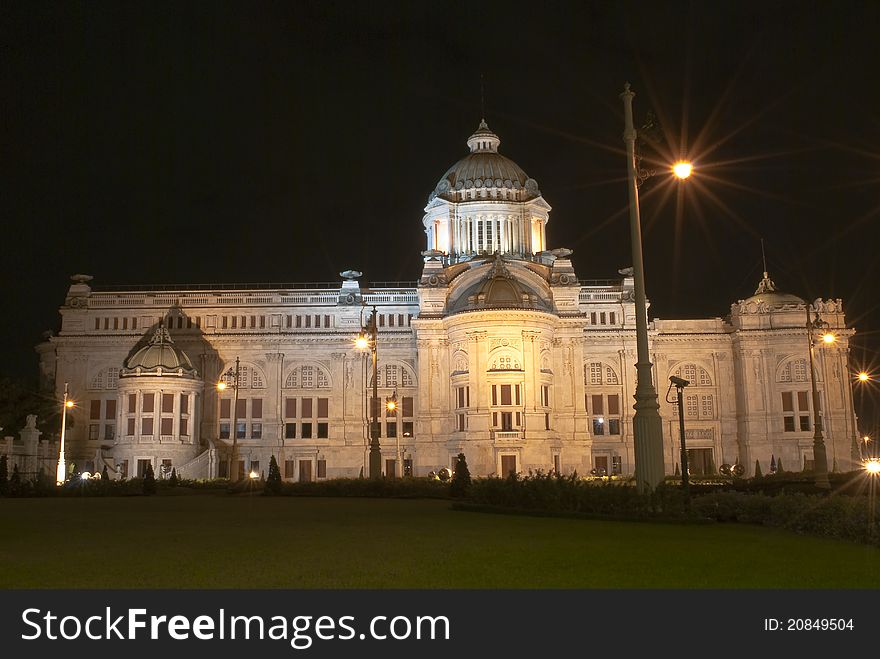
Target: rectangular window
(613, 426)
(253, 322)
(546, 422)
(148, 402)
(129, 428)
(322, 469)
(803, 405)
(506, 395)
(461, 423)
(805, 423)
(109, 432)
(545, 395)
(147, 427)
(516, 392)
(225, 408)
(556, 463)
(142, 467)
(602, 318)
(166, 426)
(391, 429)
(168, 403)
(317, 320)
(95, 409)
(598, 407)
(256, 430)
(306, 404)
(257, 408)
(240, 429)
(132, 403)
(494, 394)
(391, 320)
(184, 427)
(255, 466)
(598, 426)
(289, 468)
(326, 321)
(241, 408)
(289, 431)
(97, 323)
(613, 404)
(289, 321)
(94, 429)
(616, 465)
(290, 408)
(306, 430)
(407, 409)
(789, 423)
(234, 322)
(322, 408)
(323, 430)
(224, 430)
(184, 404)
(611, 317)
(381, 320)
(787, 402)
(407, 428)
(308, 321)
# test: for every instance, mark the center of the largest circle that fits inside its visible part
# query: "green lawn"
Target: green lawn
(219, 541)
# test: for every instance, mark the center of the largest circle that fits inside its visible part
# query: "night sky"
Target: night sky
(199, 142)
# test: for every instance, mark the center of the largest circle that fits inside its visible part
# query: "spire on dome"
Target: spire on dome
(483, 139)
(161, 337)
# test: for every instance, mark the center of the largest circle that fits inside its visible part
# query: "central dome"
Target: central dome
(484, 170)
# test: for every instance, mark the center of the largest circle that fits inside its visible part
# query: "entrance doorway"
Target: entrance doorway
(305, 471)
(508, 465)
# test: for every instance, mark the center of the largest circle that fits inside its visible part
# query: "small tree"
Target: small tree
(4, 476)
(758, 472)
(105, 475)
(273, 483)
(779, 468)
(174, 481)
(149, 481)
(461, 479)
(15, 481)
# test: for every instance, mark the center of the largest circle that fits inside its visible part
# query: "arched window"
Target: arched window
(107, 378)
(597, 373)
(699, 403)
(249, 377)
(794, 370)
(307, 376)
(505, 361)
(394, 375)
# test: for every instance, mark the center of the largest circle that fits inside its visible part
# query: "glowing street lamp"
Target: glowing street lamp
(829, 338)
(682, 169)
(61, 469)
(391, 405)
(221, 386)
(872, 466)
(863, 376)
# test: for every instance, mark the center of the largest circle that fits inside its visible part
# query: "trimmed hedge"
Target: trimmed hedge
(368, 487)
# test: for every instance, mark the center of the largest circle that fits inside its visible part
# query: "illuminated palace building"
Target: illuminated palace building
(499, 351)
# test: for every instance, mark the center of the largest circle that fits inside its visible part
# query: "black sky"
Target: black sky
(243, 142)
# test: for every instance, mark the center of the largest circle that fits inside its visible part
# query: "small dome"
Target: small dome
(485, 168)
(159, 357)
(768, 294)
(499, 289)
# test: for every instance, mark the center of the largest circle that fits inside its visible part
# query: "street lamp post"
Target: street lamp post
(647, 425)
(680, 384)
(391, 405)
(221, 385)
(368, 338)
(61, 469)
(820, 458)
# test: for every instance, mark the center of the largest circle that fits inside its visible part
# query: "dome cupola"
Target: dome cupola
(159, 357)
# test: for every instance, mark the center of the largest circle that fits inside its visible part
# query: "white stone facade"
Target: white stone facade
(499, 351)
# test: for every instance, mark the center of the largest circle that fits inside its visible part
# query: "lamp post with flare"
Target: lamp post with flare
(820, 457)
(368, 338)
(221, 386)
(61, 469)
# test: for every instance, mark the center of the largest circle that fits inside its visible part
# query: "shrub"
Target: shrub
(273, 483)
(461, 479)
(758, 472)
(105, 475)
(174, 481)
(15, 482)
(149, 484)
